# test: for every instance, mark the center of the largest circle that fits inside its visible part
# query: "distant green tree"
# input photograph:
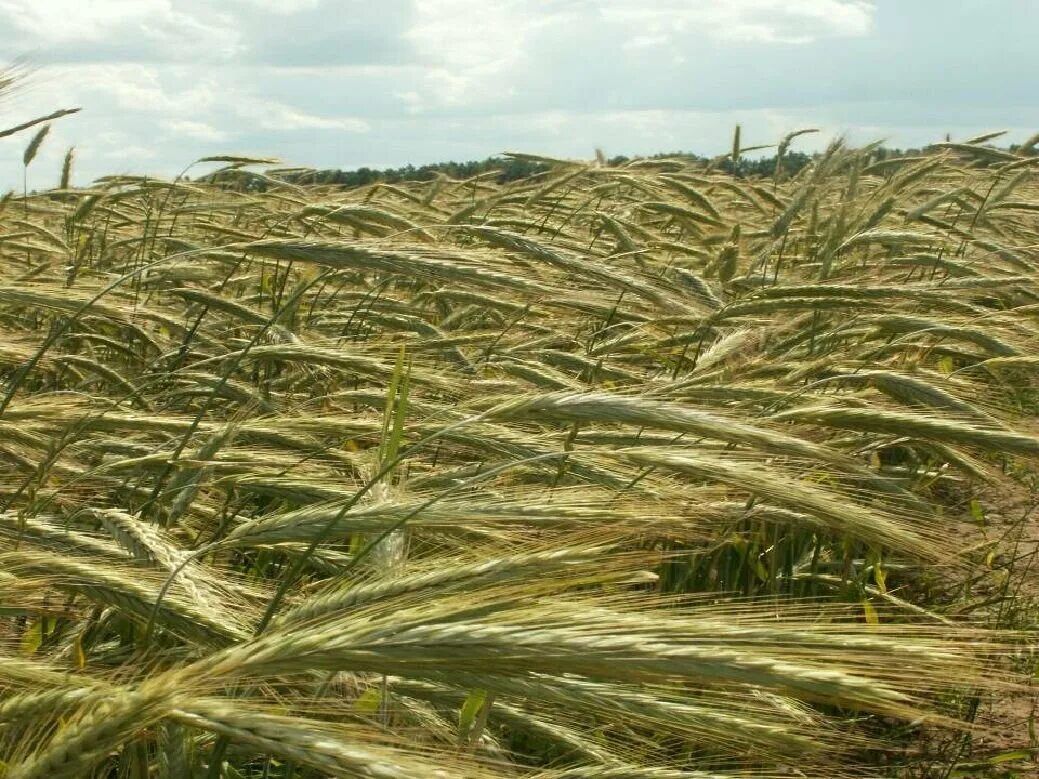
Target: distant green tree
(507, 169)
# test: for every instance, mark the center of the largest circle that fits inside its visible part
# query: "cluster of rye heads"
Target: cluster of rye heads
(646, 471)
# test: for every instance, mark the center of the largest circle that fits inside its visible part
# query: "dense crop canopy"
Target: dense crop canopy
(619, 471)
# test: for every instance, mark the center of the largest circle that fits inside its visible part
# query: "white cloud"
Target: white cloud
(73, 20)
(132, 152)
(473, 48)
(196, 130)
(411, 99)
(646, 41)
(145, 89)
(486, 49)
(272, 115)
(280, 7)
(132, 30)
(758, 21)
(352, 82)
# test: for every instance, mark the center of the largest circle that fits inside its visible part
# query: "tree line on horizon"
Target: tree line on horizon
(508, 169)
(515, 169)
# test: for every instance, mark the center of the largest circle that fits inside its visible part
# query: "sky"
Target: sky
(351, 83)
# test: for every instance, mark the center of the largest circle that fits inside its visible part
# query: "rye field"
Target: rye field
(636, 471)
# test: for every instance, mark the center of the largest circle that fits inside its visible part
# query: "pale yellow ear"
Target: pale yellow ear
(673, 467)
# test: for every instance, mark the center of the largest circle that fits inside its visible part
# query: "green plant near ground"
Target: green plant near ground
(630, 471)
